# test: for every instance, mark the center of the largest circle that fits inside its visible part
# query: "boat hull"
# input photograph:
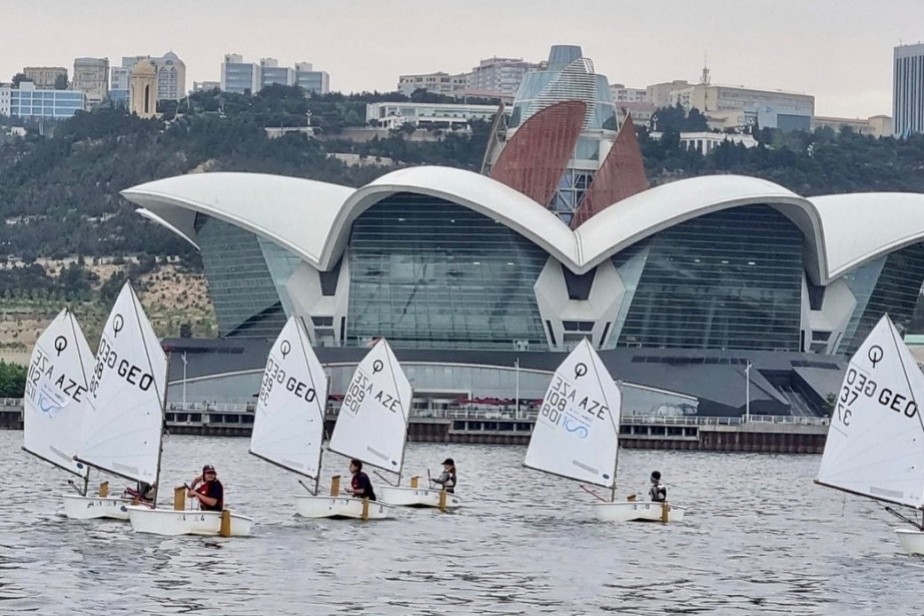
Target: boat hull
(172, 522)
(340, 507)
(631, 511)
(912, 541)
(78, 507)
(416, 497)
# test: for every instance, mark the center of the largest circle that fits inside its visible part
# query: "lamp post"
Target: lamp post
(184, 380)
(747, 394)
(516, 412)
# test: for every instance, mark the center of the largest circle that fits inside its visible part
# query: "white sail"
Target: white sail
(55, 403)
(288, 425)
(372, 424)
(875, 444)
(576, 432)
(127, 387)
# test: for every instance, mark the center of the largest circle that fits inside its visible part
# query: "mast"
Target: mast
(83, 370)
(618, 446)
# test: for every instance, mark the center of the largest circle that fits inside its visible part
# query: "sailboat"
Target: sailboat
(362, 432)
(576, 436)
(373, 425)
(875, 443)
(55, 408)
(288, 426)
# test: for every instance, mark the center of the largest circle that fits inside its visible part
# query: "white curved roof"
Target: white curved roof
(860, 227)
(313, 219)
(295, 213)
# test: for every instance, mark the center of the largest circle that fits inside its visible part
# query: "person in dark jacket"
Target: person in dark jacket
(448, 478)
(360, 486)
(658, 492)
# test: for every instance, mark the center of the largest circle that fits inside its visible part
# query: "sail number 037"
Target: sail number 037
(276, 374)
(857, 384)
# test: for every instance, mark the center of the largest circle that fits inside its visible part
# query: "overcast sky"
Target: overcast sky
(838, 50)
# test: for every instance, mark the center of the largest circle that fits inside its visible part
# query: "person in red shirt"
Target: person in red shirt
(210, 494)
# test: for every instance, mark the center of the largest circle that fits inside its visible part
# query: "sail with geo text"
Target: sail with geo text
(123, 431)
(372, 423)
(875, 444)
(55, 400)
(288, 424)
(576, 431)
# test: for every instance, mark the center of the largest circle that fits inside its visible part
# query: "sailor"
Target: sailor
(658, 492)
(211, 494)
(360, 486)
(144, 492)
(448, 478)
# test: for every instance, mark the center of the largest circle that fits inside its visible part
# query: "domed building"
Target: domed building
(482, 283)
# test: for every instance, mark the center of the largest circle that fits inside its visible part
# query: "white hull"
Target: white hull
(185, 522)
(339, 507)
(912, 541)
(90, 507)
(637, 511)
(416, 497)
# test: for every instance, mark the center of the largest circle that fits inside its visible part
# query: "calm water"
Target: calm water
(759, 537)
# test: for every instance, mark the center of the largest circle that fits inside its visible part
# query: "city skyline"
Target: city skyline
(840, 54)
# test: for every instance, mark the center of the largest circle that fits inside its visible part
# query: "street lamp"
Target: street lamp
(516, 412)
(184, 380)
(747, 394)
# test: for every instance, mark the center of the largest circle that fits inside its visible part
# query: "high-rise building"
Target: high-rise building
(908, 90)
(171, 77)
(271, 73)
(311, 80)
(44, 77)
(500, 76)
(91, 76)
(238, 76)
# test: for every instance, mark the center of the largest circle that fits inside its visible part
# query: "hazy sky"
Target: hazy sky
(838, 50)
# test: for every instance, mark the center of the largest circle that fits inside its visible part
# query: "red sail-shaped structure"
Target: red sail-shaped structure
(537, 155)
(621, 175)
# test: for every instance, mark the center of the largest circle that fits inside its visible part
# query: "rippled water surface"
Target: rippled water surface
(759, 538)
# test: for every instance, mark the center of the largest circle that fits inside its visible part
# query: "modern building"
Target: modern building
(29, 102)
(170, 71)
(205, 86)
(271, 73)
(45, 77)
(435, 83)
(310, 80)
(91, 76)
(500, 77)
(427, 115)
(247, 78)
(483, 281)
(908, 89)
(774, 108)
(238, 76)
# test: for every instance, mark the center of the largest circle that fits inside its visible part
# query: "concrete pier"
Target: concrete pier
(765, 434)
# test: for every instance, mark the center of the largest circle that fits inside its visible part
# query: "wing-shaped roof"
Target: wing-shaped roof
(313, 219)
(295, 213)
(860, 227)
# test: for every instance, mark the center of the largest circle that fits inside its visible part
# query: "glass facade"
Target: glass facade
(728, 280)
(896, 292)
(428, 273)
(45, 103)
(240, 284)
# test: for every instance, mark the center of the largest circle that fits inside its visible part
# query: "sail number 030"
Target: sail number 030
(858, 383)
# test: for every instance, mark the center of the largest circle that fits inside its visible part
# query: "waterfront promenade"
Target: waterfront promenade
(765, 434)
